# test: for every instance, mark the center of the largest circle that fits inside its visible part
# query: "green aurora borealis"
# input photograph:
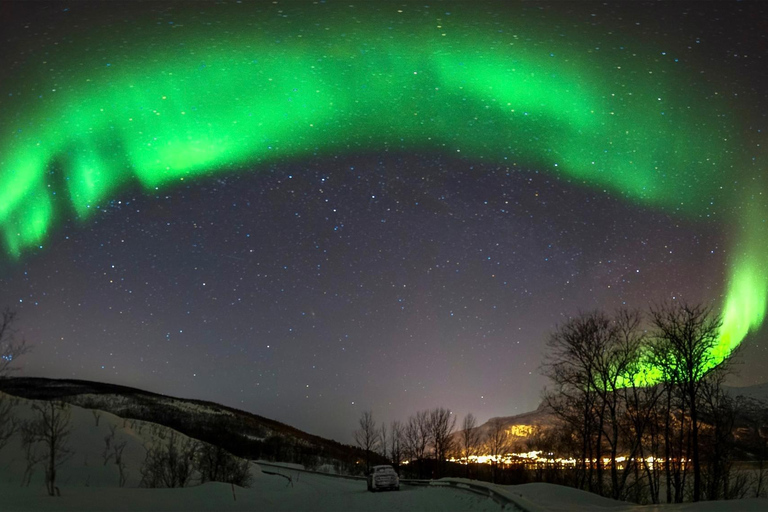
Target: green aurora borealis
(198, 100)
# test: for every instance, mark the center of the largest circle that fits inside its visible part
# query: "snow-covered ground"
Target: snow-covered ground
(557, 498)
(89, 481)
(310, 493)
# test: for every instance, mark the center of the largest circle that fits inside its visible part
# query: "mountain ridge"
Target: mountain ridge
(242, 433)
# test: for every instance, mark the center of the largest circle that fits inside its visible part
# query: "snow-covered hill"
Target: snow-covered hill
(92, 440)
(243, 433)
(90, 480)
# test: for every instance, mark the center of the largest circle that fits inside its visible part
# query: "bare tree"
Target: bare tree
(10, 351)
(384, 441)
(367, 437)
(640, 427)
(117, 450)
(672, 422)
(32, 455)
(417, 435)
(470, 439)
(616, 369)
(441, 425)
(113, 450)
(416, 439)
(8, 424)
(410, 439)
(51, 429)
(572, 363)
(497, 443)
(718, 408)
(686, 339)
(109, 441)
(10, 348)
(396, 443)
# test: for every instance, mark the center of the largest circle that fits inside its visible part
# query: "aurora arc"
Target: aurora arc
(190, 105)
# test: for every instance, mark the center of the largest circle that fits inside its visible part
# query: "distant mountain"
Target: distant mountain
(520, 426)
(756, 391)
(540, 417)
(242, 433)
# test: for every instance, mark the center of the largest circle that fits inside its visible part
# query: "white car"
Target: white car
(383, 477)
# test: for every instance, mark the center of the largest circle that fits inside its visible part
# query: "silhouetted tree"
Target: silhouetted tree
(10, 348)
(497, 444)
(718, 408)
(10, 351)
(50, 429)
(396, 443)
(685, 341)
(367, 437)
(441, 425)
(384, 441)
(469, 439)
(417, 435)
(616, 367)
(572, 363)
(641, 428)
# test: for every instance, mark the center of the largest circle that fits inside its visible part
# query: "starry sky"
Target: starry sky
(374, 270)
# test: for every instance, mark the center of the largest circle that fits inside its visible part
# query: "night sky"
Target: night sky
(370, 267)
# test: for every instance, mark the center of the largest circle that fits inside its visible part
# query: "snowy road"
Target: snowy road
(316, 492)
(269, 493)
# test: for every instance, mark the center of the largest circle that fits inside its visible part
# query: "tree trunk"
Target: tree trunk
(584, 454)
(684, 449)
(668, 446)
(51, 473)
(695, 435)
(615, 489)
(599, 454)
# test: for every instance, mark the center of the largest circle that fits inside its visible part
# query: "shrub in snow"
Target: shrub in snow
(215, 464)
(170, 464)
